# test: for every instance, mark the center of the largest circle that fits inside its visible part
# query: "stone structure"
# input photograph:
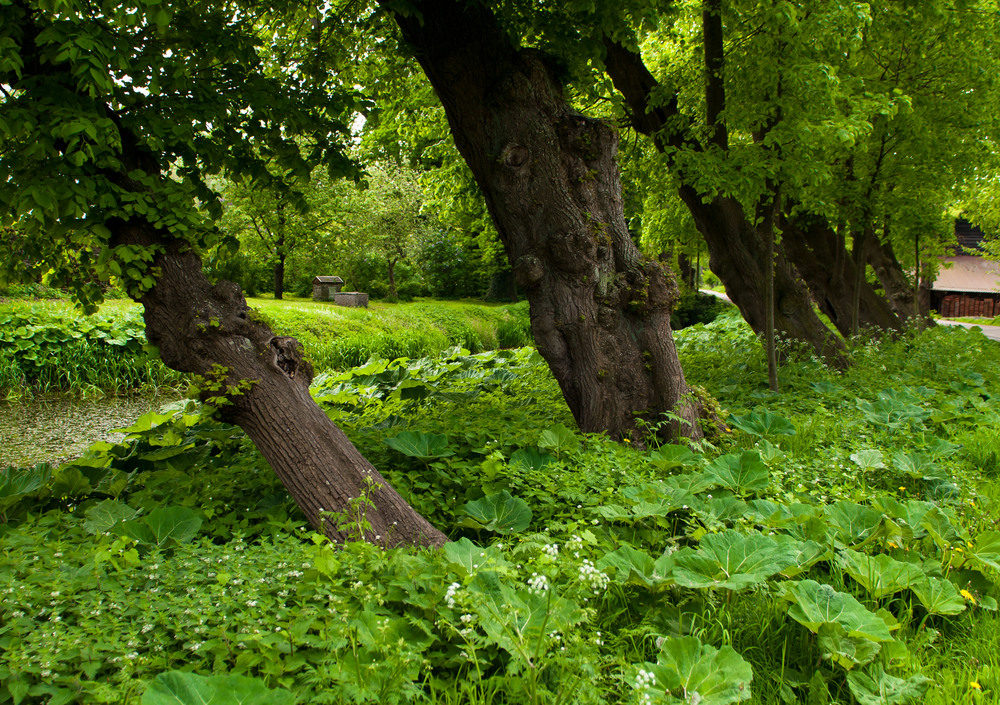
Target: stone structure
(328, 289)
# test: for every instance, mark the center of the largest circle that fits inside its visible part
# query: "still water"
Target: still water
(54, 430)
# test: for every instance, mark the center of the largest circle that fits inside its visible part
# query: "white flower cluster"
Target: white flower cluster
(574, 544)
(538, 583)
(644, 680)
(590, 575)
(449, 597)
(551, 550)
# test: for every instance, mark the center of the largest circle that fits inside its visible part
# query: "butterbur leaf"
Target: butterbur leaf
(814, 605)
(762, 423)
(731, 560)
(472, 558)
(741, 473)
(868, 459)
(843, 649)
(671, 456)
(500, 512)
(15, 482)
(876, 687)
(182, 688)
(104, 515)
(939, 596)
(987, 549)
(559, 439)
(530, 458)
(880, 575)
(851, 522)
(424, 446)
(685, 667)
(162, 525)
(627, 561)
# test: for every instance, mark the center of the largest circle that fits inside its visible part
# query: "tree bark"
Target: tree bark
(899, 289)
(600, 312)
(829, 271)
(206, 329)
(737, 253)
(279, 277)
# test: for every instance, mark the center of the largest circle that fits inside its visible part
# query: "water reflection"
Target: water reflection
(54, 430)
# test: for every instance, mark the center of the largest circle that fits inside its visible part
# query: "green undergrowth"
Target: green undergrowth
(46, 346)
(838, 545)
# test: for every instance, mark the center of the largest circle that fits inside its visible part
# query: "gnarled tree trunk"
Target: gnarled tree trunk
(830, 272)
(600, 312)
(205, 329)
(899, 289)
(737, 252)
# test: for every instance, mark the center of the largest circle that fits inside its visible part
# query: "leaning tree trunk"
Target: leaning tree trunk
(898, 286)
(737, 253)
(205, 329)
(830, 272)
(600, 312)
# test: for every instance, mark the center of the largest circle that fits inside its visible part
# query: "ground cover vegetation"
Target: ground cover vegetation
(838, 544)
(634, 564)
(47, 347)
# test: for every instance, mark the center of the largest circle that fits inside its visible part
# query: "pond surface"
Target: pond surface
(54, 430)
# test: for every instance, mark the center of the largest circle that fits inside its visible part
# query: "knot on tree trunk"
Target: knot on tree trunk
(289, 359)
(514, 156)
(528, 271)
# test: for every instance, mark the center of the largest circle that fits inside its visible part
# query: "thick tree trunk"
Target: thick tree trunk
(897, 284)
(829, 271)
(737, 253)
(206, 330)
(279, 277)
(600, 312)
(738, 256)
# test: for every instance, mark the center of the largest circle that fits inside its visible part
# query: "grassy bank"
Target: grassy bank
(838, 545)
(47, 347)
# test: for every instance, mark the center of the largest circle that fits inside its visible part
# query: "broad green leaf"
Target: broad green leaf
(742, 473)
(472, 558)
(868, 459)
(876, 687)
(671, 456)
(694, 672)
(15, 482)
(500, 512)
(172, 523)
(851, 522)
(182, 688)
(627, 561)
(731, 560)
(815, 604)
(559, 439)
(844, 649)
(530, 458)
(104, 515)
(880, 575)
(939, 596)
(420, 445)
(986, 549)
(762, 423)
(918, 465)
